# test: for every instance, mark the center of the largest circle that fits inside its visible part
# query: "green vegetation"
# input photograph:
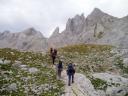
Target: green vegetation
(99, 84)
(17, 78)
(88, 57)
(126, 94)
(91, 58)
(125, 70)
(118, 62)
(86, 48)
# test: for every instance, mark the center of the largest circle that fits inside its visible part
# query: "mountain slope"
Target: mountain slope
(97, 28)
(28, 40)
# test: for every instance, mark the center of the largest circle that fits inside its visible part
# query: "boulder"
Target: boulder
(33, 70)
(116, 85)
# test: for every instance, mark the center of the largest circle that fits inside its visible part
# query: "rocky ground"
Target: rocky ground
(102, 84)
(100, 71)
(77, 88)
(27, 74)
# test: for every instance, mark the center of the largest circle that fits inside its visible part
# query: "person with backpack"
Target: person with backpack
(59, 69)
(55, 52)
(54, 55)
(70, 73)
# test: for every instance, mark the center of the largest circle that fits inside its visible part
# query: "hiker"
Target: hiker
(70, 73)
(51, 51)
(55, 52)
(59, 69)
(54, 55)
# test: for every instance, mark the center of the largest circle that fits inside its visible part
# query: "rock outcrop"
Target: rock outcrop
(97, 28)
(54, 39)
(115, 84)
(107, 85)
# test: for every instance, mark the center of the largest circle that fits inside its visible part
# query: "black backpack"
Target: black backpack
(71, 69)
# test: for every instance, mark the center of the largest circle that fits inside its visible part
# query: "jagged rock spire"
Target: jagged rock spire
(74, 23)
(55, 32)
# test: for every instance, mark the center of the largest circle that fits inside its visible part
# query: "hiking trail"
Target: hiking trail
(77, 88)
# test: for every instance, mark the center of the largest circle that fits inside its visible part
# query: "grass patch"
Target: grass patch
(99, 84)
(87, 57)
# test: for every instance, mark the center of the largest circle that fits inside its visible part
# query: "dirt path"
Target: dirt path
(81, 87)
(76, 89)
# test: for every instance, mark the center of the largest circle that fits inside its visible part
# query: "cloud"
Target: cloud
(45, 15)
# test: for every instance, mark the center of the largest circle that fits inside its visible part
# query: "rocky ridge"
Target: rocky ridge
(96, 28)
(27, 40)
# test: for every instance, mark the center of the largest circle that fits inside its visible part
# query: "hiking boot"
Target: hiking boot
(69, 84)
(72, 81)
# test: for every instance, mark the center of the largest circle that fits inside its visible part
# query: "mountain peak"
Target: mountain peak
(5, 33)
(73, 23)
(97, 13)
(55, 32)
(97, 10)
(30, 31)
(79, 16)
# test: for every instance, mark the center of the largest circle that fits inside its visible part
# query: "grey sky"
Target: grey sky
(46, 15)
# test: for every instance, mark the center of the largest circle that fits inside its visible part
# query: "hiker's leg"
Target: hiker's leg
(57, 74)
(69, 80)
(60, 73)
(53, 60)
(73, 78)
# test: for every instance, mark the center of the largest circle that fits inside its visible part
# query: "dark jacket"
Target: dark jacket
(60, 65)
